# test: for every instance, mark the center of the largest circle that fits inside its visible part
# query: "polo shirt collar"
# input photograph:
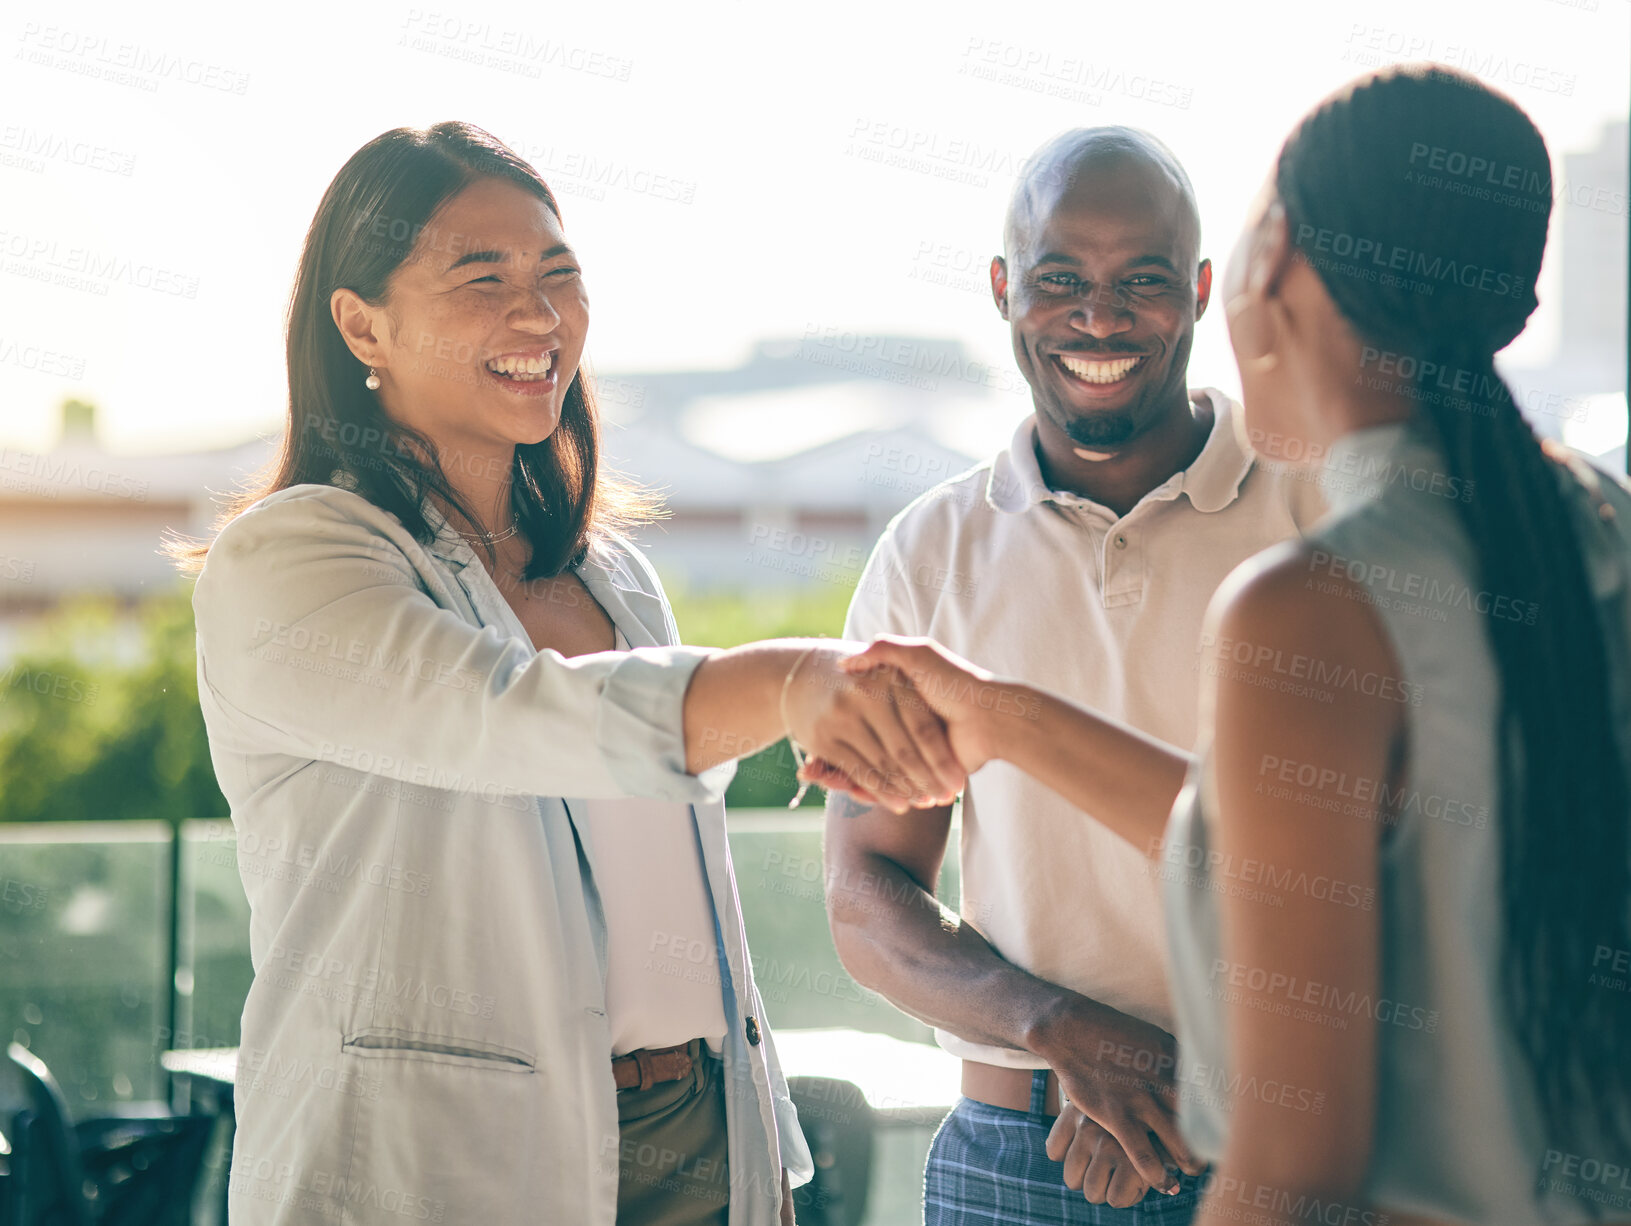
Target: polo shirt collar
(1212, 482)
(1016, 481)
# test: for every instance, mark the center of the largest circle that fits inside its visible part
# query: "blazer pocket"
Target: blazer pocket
(379, 1042)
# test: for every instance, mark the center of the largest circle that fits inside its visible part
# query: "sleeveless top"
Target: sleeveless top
(1458, 1131)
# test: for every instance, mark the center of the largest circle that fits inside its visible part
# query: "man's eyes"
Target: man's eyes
(1069, 283)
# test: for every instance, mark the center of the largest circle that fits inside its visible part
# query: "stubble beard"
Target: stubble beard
(1102, 430)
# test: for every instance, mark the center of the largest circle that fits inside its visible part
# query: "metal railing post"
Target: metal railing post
(172, 958)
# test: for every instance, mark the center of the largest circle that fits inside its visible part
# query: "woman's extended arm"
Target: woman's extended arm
(1116, 774)
(317, 641)
(895, 752)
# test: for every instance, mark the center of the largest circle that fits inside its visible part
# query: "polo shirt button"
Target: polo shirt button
(752, 1029)
(1121, 541)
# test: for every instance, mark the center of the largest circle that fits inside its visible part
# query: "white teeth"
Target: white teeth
(1099, 372)
(524, 369)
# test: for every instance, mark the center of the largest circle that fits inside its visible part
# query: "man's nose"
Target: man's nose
(1101, 312)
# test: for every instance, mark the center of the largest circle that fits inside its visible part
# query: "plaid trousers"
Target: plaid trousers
(988, 1166)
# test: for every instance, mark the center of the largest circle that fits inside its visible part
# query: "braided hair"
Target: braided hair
(1422, 198)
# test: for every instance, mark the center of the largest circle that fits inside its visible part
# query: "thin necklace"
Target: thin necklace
(492, 540)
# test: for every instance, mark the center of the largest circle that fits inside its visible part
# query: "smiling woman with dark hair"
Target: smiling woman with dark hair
(475, 778)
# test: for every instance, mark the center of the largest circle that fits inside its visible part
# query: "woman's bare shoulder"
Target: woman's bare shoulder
(1283, 599)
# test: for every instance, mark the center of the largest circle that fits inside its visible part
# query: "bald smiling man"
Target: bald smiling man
(1096, 539)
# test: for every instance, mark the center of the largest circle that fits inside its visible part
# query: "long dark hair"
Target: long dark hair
(337, 432)
(1424, 174)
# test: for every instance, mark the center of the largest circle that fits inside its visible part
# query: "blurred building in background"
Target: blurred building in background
(1579, 394)
(78, 519)
(784, 471)
(778, 473)
(1592, 205)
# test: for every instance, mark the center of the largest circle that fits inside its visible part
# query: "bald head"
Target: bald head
(1112, 166)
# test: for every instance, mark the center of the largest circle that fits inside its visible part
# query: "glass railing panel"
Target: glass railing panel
(84, 954)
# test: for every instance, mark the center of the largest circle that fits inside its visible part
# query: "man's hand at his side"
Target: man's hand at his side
(1117, 1072)
(1095, 1164)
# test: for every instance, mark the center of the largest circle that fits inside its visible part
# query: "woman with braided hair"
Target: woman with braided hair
(1398, 869)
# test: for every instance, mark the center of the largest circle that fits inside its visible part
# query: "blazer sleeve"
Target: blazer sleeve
(317, 639)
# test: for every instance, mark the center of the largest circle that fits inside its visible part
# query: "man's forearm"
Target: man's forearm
(897, 939)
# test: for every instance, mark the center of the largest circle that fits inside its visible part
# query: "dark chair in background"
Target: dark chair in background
(136, 1167)
(839, 1126)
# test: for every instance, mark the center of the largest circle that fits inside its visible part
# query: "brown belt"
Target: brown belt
(647, 1067)
(1007, 1087)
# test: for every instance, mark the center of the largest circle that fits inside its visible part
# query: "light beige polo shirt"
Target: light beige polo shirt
(1056, 590)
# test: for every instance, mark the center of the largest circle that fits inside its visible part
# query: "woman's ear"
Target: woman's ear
(1260, 275)
(360, 327)
(1272, 252)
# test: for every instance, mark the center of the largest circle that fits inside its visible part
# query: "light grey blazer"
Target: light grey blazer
(425, 1037)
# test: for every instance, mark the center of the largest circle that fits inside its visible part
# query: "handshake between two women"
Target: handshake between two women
(955, 713)
(900, 724)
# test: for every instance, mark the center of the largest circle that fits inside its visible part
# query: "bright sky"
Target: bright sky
(725, 167)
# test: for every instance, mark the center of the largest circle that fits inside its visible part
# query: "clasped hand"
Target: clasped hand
(899, 725)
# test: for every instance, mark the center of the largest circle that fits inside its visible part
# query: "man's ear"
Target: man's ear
(360, 325)
(999, 284)
(1203, 287)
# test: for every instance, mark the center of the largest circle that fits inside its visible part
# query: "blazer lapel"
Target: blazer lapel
(639, 615)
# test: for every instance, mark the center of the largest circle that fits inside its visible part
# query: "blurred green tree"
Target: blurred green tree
(99, 717)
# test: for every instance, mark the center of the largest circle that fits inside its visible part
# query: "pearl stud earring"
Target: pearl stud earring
(372, 381)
